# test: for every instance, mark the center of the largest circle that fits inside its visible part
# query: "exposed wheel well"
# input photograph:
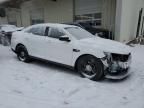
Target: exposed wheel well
(16, 49)
(75, 66)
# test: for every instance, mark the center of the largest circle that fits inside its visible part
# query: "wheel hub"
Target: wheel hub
(22, 56)
(88, 68)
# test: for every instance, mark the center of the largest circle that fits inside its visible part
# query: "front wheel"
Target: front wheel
(90, 67)
(22, 54)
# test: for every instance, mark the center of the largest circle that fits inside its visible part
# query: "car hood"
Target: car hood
(106, 45)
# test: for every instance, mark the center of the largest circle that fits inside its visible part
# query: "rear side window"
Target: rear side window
(55, 33)
(47, 31)
(37, 31)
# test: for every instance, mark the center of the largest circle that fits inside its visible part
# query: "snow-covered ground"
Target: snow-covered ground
(44, 85)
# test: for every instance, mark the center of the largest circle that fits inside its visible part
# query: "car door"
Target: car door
(35, 39)
(58, 51)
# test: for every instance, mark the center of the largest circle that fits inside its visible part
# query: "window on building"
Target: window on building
(12, 19)
(94, 19)
(37, 16)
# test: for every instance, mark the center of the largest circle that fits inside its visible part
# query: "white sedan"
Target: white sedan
(92, 56)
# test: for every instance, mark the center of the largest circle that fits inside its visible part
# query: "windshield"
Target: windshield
(79, 33)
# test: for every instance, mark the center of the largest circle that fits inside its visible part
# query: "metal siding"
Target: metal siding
(88, 6)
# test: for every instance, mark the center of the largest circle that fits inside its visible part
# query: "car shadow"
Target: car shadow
(117, 80)
(67, 70)
(54, 66)
(74, 72)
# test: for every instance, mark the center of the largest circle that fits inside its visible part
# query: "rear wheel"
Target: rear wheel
(22, 54)
(90, 67)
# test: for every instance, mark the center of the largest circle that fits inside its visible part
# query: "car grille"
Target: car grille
(119, 57)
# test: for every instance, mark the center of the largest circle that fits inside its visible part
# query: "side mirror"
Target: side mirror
(64, 39)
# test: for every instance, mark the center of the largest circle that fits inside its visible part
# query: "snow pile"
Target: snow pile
(44, 85)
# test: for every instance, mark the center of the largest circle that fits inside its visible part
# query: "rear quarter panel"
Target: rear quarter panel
(17, 38)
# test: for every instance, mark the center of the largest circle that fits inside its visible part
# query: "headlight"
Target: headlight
(108, 57)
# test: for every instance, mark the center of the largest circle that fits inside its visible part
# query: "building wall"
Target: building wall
(109, 13)
(12, 15)
(3, 20)
(88, 6)
(59, 11)
(62, 10)
(127, 18)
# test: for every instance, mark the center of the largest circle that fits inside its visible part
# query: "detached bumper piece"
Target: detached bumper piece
(118, 66)
(119, 75)
(13, 50)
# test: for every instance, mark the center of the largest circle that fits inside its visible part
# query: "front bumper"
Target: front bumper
(119, 76)
(116, 69)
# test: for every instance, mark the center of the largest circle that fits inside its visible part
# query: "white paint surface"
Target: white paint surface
(62, 52)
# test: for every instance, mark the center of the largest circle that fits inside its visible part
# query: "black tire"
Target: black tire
(22, 54)
(90, 67)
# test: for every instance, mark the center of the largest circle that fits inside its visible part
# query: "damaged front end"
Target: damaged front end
(116, 65)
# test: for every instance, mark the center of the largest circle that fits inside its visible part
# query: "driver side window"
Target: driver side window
(55, 33)
(37, 31)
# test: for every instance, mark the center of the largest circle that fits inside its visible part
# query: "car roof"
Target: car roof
(55, 25)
